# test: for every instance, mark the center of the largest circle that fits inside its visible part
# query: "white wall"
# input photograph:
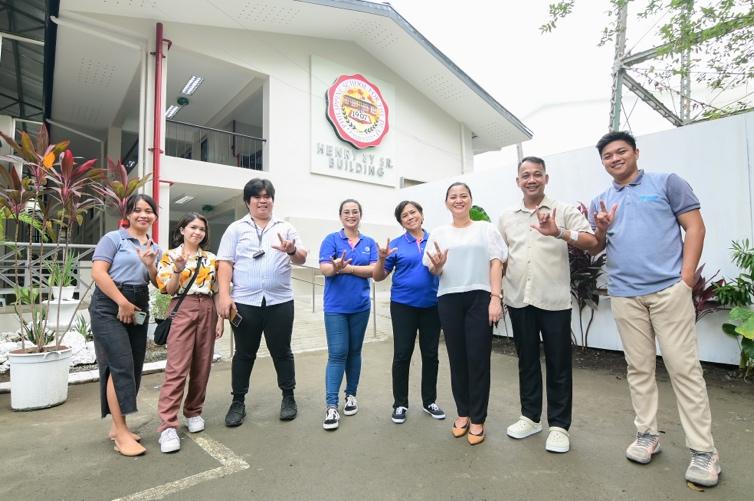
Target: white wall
(715, 157)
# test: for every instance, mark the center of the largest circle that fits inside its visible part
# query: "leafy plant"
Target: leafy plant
(740, 294)
(116, 187)
(26, 295)
(61, 274)
(478, 214)
(82, 327)
(704, 294)
(159, 304)
(585, 271)
(55, 194)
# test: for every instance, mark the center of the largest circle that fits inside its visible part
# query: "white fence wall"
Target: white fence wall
(715, 157)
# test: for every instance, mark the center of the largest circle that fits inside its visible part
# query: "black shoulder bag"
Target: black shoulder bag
(163, 328)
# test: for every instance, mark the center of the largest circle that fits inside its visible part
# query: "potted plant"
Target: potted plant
(61, 278)
(738, 294)
(55, 192)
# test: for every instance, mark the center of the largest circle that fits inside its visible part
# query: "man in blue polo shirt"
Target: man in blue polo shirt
(651, 270)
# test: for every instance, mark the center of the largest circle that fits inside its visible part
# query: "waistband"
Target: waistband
(132, 287)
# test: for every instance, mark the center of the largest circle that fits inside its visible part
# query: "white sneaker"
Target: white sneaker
(558, 440)
(195, 424)
(351, 406)
(523, 428)
(332, 419)
(169, 441)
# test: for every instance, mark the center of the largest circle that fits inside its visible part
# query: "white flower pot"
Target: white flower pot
(67, 308)
(66, 293)
(38, 380)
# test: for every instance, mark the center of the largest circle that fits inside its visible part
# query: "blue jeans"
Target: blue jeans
(345, 336)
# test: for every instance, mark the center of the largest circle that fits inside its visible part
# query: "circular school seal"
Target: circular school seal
(357, 111)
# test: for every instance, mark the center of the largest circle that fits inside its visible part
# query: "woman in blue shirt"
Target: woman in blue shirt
(413, 306)
(346, 259)
(122, 266)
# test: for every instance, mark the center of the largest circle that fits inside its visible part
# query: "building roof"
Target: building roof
(377, 28)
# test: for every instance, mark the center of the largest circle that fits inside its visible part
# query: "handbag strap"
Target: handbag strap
(188, 286)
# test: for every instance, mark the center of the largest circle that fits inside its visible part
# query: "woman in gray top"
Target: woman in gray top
(123, 265)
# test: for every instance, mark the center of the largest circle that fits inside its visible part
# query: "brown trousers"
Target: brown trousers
(190, 347)
(668, 317)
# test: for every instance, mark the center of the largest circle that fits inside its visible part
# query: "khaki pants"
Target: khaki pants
(669, 316)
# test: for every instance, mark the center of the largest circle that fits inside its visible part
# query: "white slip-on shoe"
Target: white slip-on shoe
(558, 440)
(523, 428)
(195, 424)
(169, 441)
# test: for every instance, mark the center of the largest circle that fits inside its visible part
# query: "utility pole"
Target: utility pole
(619, 70)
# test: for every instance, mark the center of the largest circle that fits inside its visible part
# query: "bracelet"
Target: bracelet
(495, 294)
(294, 251)
(562, 232)
(177, 271)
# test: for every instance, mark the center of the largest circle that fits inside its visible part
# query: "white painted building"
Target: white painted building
(261, 108)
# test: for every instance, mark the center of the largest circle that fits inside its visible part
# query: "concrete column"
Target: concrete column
(114, 143)
(164, 214)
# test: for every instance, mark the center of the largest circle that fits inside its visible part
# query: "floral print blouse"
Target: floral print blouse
(206, 280)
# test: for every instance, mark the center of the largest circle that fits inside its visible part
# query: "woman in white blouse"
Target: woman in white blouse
(468, 257)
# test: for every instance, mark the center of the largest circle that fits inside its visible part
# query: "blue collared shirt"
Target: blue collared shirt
(644, 244)
(118, 248)
(413, 284)
(347, 293)
(268, 276)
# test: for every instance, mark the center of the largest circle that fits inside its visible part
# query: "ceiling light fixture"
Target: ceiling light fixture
(184, 199)
(193, 83)
(172, 110)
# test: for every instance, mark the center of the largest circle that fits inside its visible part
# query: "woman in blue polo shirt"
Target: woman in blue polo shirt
(413, 306)
(122, 266)
(346, 259)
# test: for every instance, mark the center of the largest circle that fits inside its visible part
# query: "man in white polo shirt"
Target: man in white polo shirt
(537, 290)
(256, 253)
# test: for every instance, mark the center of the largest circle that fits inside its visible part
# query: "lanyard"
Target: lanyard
(261, 233)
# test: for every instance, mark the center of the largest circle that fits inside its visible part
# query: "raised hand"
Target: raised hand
(439, 258)
(179, 263)
(546, 223)
(340, 264)
(604, 218)
(382, 254)
(147, 256)
(287, 246)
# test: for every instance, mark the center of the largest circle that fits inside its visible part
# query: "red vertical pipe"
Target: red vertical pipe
(157, 115)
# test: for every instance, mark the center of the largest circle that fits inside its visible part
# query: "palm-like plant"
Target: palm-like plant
(116, 187)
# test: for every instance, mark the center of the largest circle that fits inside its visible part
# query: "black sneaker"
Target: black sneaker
(434, 410)
(288, 408)
(236, 414)
(351, 406)
(399, 414)
(332, 419)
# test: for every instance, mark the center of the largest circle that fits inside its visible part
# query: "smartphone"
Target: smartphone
(235, 319)
(140, 317)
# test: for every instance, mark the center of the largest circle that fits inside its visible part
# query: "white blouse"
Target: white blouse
(470, 251)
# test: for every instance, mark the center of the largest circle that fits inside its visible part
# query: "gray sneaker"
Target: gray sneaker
(704, 468)
(643, 448)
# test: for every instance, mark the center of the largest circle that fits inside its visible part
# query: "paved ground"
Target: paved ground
(61, 453)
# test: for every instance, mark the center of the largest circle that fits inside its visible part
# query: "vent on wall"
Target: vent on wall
(267, 13)
(442, 87)
(149, 4)
(94, 73)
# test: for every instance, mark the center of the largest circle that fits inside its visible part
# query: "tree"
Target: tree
(706, 41)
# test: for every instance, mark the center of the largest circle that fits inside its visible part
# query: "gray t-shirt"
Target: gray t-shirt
(119, 249)
(644, 244)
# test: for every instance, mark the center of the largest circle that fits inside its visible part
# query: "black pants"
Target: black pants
(120, 348)
(468, 337)
(555, 327)
(276, 322)
(406, 321)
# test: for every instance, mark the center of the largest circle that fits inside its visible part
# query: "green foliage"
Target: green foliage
(478, 214)
(739, 293)
(61, 274)
(26, 295)
(82, 327)
(159, 304)
(718, 34)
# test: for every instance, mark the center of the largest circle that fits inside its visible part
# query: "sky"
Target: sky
(558, 84)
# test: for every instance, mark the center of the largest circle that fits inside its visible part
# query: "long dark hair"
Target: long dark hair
(176, 238)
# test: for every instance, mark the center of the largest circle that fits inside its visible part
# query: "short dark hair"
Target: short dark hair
(399, 209)
(256, 186)
(351, 201)
(176, 238)
(458, 183)
(619, 135)
(534, 160)
(134, 199)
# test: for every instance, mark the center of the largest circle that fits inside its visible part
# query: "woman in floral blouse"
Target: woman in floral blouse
(193, 331)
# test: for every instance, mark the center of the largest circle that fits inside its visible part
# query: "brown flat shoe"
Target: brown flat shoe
(475, 439)
(459, 432)
(133, 435)
(136, 451)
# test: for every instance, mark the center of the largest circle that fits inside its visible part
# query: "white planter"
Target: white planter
(39, 380)
(67, 309)
(66, 293)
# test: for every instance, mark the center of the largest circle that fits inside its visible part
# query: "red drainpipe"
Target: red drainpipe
(158, 119)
